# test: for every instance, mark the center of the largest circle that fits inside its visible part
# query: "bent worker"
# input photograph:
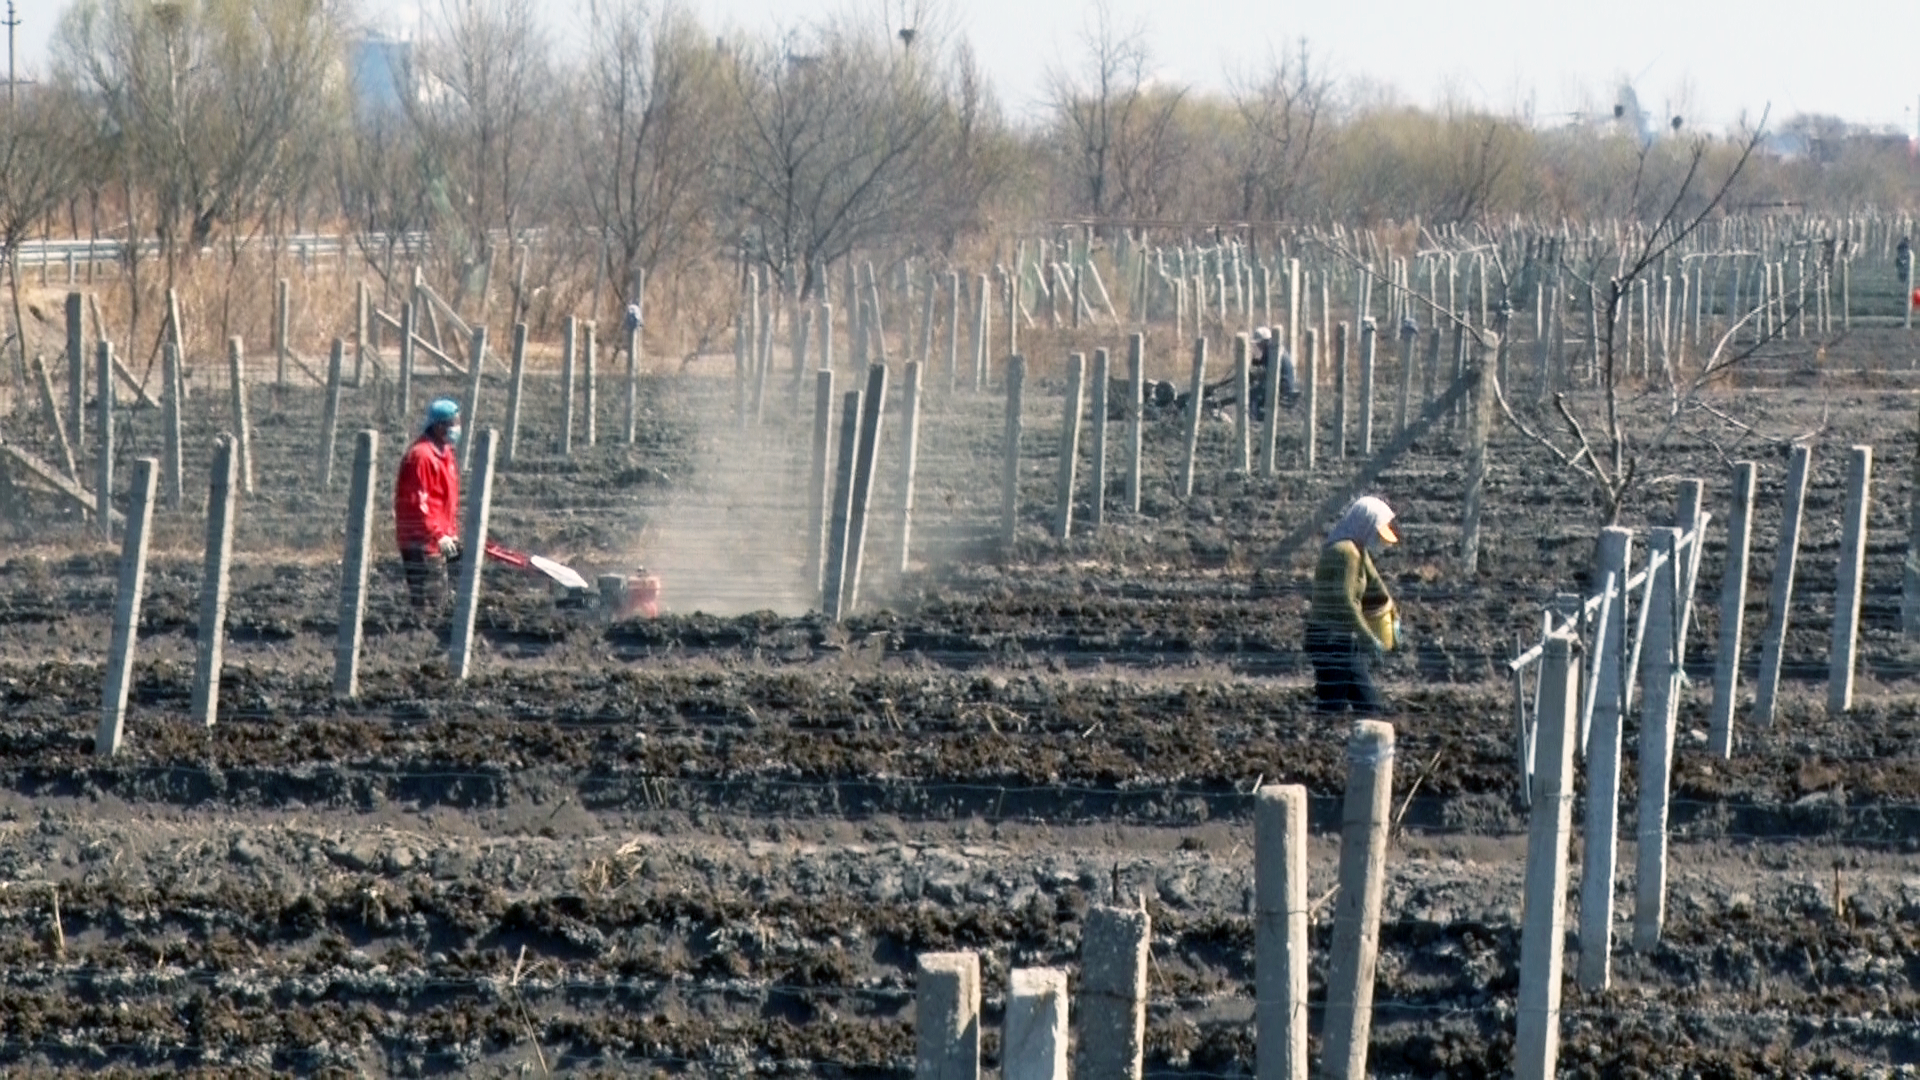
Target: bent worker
(1341, 638)
(426, 504)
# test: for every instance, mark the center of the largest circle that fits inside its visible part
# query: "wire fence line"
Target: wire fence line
(1878, 825)
(1793, 1017)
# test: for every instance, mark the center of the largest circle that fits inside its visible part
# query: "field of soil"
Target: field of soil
(711, 844)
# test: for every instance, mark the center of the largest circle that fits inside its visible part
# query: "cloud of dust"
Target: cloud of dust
(734, 540)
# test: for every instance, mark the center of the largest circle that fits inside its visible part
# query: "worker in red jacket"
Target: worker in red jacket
(426, 502)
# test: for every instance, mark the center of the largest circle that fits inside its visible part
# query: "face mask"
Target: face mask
(453, 436)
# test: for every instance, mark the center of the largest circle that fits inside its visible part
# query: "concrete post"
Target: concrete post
(1033, 1044)
(1688, 516)
(872, 410)
(590, 405)
(360, 341)
(800, 342)
(1241, 460)
(982, 333)
(568, 355)
(634, 346)
(1340, 391)
(1846, 600)
(51, 406)
(946, 1013)
(1537, 1034)
(1280, 932)
(76, 373)
(1910, 568)
(876, 325)
(172, 482)
(1659, 676)
(1368, 335)
(1113, 994)
(926, 323)
(103, 473)
(470, 412)
(176, 330)
(281, 318)
(1097, 478)
(1599, 848)
(330, 413)
(1073, 405)
(1780, 598)
(1270, 394)
(763, 369)
(1409, 335)
(473, 538)
(515, 381)
(1733, 609)
(826, 336)
(1310, 397)
(407, 353)
(818, 490)
(834, 575)
(1010, 450)
(1196, 409)
(1479, 421)
(353, 567)
(910, 453)
(242, 423)
(126, 606)
(1294, 289)
(953, 331)
(222, 498)
(1136, 416)
(1356, 918)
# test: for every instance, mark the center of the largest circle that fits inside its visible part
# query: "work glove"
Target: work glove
(449, 548)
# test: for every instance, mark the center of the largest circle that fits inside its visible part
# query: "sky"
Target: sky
(1711, 62)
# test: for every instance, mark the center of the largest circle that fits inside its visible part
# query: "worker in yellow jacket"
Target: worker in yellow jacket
(1352, 616)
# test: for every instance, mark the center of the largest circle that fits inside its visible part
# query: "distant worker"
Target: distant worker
(1903, 260)
(426, 505)
(1351, 617)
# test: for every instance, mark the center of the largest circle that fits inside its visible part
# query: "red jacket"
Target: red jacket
(426, 496)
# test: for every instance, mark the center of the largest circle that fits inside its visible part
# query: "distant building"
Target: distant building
(382, 70)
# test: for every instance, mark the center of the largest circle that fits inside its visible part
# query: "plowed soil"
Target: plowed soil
(711, 844)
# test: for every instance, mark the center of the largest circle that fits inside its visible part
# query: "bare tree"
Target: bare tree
(838, 132)
(38, 170)
(1282, 114)
(1607, 449)
(1117, 122)
(212, 104)
(652, 96)
(381, 186)
(478, 107)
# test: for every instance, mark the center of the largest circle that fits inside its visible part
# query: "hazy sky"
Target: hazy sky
(1711, 61)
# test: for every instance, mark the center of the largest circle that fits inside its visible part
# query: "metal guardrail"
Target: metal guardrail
(34, 253)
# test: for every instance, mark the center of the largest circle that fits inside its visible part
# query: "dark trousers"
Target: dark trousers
(425, 585)
(1340, 677)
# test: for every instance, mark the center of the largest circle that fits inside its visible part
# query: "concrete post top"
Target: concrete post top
(1371, 738)
(1291, 796)
(963, 964)
(1104, 919)
(1036, 982)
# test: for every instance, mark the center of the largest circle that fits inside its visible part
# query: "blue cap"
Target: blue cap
(442, 411)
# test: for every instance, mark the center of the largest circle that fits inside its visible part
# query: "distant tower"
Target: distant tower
(1627, 110)
(382, 74)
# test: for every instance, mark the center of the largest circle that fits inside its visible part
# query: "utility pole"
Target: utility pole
(12, 21)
